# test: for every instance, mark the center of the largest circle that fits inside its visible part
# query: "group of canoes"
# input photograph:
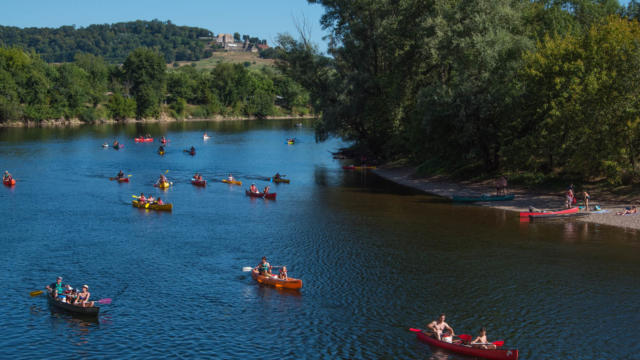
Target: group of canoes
(7, 179)
(440, 334)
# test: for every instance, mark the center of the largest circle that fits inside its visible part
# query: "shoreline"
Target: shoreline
(162, 119)
(444, 187)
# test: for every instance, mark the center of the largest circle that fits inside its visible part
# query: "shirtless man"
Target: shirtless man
(438, 327)
(481, 341)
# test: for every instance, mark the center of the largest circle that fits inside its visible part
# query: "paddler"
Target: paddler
(481, 341)
(142, 199)
(277, 176)
(266, 190)
(159, 201)
(116, 143)
(83, 297)
(163, 179)
(161, 149)
(264, 268)
(192, 150)
(56, 287)
(438, 326)
(163, 140)
(7, 176)
(253, 189)
(120, 175)
(230, 177)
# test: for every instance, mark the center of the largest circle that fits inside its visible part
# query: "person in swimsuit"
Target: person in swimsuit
(438, 326)
(83, 297)
(142, 199)
(253, 189)
(481, 341)
(266, 190)
(159, 201)
(586, 200)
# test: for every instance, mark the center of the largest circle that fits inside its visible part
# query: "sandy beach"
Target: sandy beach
(523, 199)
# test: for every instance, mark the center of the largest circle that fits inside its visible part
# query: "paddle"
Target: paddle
(248, 268)
(106, 301)
(36, 293)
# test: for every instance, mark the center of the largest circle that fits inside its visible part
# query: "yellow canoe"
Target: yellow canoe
(165, 207)
(233, 182)
(162, 185)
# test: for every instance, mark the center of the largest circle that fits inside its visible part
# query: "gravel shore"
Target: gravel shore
(523, 200)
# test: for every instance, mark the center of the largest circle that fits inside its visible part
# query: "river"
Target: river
(375, 258)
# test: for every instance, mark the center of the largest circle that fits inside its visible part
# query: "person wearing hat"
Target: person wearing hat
(83, 297)
(56, 287)
(68, 293)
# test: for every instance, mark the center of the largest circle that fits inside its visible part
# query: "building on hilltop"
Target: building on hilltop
(224, 39)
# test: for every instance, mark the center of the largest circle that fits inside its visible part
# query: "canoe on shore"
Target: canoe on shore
(270, 196)
(552, 212)
(232, 182)
(198, 182)
(280, 180)
(495, 354)
(164, 207)
(77, 310)
(556, 216)
(483, 198)
(289, 283)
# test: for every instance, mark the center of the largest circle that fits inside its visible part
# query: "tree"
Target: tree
(236, 37)
(98, 72)
(145, 69)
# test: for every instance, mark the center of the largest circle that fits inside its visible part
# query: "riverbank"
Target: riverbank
(524, 199)
(161, 119)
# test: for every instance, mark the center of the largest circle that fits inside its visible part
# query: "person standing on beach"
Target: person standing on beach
(569, 197)
(501, 186)
(586, 200)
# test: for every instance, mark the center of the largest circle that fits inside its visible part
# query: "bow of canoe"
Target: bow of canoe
(491, 354)
(162, 185)
(289, 283)
(270, 196)
(280, 180)
(198, 182)
(9, 182)
(232, 182)
(77, 310)
(164, 207)
(556, 212)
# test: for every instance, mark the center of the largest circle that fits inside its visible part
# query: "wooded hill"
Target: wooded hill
(113, 42)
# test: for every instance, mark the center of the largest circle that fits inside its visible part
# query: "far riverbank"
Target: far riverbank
(161, 119)
(444, 187)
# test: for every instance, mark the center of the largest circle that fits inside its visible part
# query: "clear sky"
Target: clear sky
(260, 18)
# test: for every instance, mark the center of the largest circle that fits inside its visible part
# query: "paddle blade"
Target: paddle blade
(247, 269)
(415, 330)
(465, 337)
(135, 197)
(104, 301)
(36, 293)
(498, 343)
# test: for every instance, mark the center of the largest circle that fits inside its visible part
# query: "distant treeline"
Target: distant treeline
(91, 89)
(113, 42)
(532, 88)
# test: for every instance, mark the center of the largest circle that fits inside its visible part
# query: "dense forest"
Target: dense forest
(90, 89)
(113, 42)
(529, 88)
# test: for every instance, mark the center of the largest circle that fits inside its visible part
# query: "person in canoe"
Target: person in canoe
(569, 197)
(163, 139)
(162, 179)
(120, 175)
(159, 201)
(192, 150)
(142, 199)
(150, 199)
(83, 297)
(56, 288)
(282, 274)
(277, 176)
(116, 143)
(266, 190)
(264, 268)
(254, 189)
(481, 341)
(161, 150)
(205, 136)
(7, 176)
(70, 294)
(231, 178)
(439, 326)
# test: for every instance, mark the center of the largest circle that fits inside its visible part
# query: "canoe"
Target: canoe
(553, 212)
(165, 207)
(291, 142)
(496, 354)
(9, 182)
(354, 167)
(190, 152)
(123, 179)
(483, 198)
(198, 182)
(232, 182)
(289, 283)
(160, 152)
(118, 147)
(281, 180)
(162, 185)
(77, 310)
(556, 216)
(141, 140)
(270, 196)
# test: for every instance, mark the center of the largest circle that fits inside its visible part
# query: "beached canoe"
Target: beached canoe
(162, 185)
(141, 140)
(556, 216)
(289, 283)
(551, 212)
(198, 182)
(9, 182)
(483, 198)
(164, 207)
(280, 180)
(269, 196)
(77, 310)
(496, 354)
(354, 167)
(232, 182)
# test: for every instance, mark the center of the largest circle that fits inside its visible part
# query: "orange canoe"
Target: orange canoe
(289, 283)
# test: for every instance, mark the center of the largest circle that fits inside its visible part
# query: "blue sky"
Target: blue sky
(261, 18)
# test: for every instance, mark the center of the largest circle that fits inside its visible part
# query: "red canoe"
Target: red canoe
(497, 354)
(123, 179)
(139, 140)
(9, 182)
(270, 196)
(558, 212)
(198, 182)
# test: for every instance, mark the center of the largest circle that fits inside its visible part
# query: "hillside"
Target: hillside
(251, 60)
(113, 42)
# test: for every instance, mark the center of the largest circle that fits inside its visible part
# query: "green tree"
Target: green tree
(145, 70)
(98, 73)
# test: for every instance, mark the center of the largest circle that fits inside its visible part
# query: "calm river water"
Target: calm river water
(375, 258)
